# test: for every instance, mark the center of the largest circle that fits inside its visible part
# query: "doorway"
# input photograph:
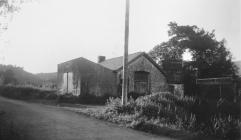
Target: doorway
(141, 83)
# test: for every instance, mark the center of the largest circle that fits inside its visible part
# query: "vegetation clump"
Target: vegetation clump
(33, 93)
(158, 112)
(27, 93)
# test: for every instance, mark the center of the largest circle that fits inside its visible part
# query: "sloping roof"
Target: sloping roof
(117, 62)
(72, 60)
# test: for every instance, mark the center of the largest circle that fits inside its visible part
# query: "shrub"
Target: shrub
(224, 128)
(67, 98)
(143, 125)
(134, 95)
(51, 96)
(186, 102)
(150, 112)
(226, 108)
(155, 106)
(114, 105)
(26, 93)
(188, 122)
(92, 99)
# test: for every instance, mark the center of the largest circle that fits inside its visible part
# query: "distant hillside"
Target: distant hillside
(48, 76)
(19, 75)
(10, 74)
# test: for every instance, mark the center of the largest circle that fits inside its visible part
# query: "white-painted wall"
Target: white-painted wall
(67, 79)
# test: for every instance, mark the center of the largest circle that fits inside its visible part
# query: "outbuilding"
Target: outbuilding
(104, 78)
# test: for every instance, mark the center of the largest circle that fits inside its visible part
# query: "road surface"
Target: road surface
(43, 122)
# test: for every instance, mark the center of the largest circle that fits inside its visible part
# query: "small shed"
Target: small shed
(82, 76)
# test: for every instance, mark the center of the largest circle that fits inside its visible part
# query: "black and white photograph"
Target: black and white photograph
(120, 69)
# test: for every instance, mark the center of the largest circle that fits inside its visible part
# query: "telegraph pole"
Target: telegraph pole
(125, 58)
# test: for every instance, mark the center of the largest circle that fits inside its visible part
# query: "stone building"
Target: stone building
(81, 76)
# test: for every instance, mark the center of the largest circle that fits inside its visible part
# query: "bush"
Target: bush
(224, 128)
(26, 93)
(93, 99)
(31, 93)
(155, 106)
(51, 96)
(226, 108)
(67, 98)
(134, 95)
(150, 112)
(114, 105)
(188, 122)
(143, 125)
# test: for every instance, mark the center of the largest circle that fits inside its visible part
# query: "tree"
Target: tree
(6, 8)
(9, 77)
(210, 58)
(166, 51)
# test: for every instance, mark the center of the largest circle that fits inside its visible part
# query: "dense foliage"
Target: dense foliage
(7, 8)
(154, 112)
(209, 56)
(160, 113)
(27, 93)
(33, 93)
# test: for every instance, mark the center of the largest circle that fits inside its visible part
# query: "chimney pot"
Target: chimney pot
(101, 59)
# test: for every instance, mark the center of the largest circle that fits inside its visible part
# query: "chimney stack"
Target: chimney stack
(101, 59)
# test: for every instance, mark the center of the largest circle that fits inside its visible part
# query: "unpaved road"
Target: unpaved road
(43, 122)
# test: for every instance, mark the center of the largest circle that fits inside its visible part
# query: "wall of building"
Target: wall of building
(86, 77)
(157, 81)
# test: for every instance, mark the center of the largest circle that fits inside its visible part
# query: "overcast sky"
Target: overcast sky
(47, 32)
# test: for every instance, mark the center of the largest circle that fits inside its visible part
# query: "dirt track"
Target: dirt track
(42, 122)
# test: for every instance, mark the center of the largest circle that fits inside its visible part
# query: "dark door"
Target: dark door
(141, 82)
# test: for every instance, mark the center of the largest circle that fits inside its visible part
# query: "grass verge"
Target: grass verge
(9, 130)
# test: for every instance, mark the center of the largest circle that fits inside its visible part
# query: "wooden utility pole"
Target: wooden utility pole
(67, 82)
(125, 58)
